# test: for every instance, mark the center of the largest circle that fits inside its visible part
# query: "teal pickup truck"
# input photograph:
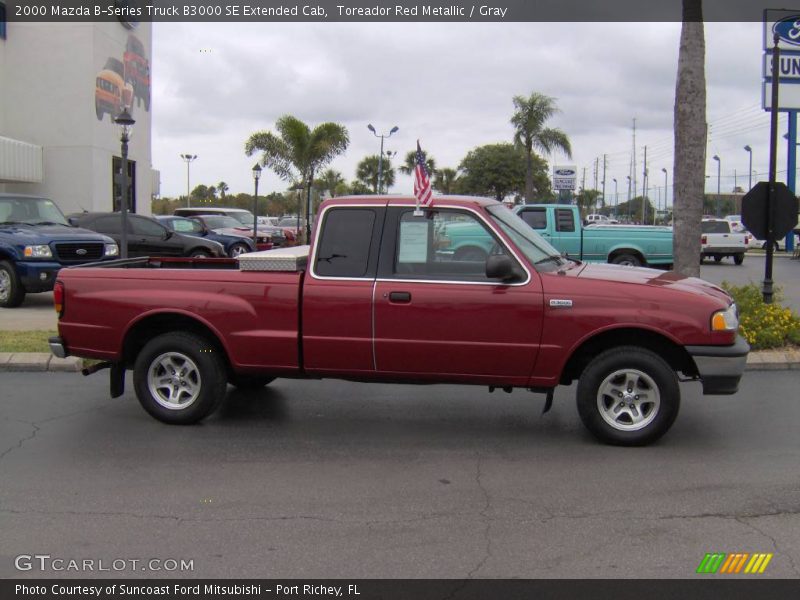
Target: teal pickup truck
(635, 245)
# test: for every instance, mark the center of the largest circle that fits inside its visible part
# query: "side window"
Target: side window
(536, 218)
(145, 227)
(185, 226)
(565, 221)
(345, 243)
(446, 245)
(110, 224)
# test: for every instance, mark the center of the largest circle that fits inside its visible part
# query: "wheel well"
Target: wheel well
(619, 251)
(676, 356)
(150, 327)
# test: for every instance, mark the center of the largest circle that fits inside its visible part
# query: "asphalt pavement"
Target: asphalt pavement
(321, 479)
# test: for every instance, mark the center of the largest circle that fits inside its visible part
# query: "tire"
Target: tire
(717, 258)
(198, 376)
(738, 258)
(471, 254)
(249, 382)
(628, 260)
(199, 253)
(776, 247)
(238, 249)
(609, 376)
(12, 293)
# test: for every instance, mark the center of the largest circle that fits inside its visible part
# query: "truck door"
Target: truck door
(436, 312)
(567, 236)
(337, 291)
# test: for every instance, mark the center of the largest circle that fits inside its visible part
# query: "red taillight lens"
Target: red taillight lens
(58, 297)
(703, 240)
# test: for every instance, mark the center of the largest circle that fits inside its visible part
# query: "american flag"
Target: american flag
(422, 184)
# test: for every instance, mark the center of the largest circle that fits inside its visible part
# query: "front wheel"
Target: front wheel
(198, 253)
(238, 249)
(628, 396)
(12, 293)
(179, 378)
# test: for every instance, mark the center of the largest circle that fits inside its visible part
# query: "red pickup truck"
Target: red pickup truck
(384, 297)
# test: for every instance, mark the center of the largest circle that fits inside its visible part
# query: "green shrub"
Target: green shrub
(764, 325)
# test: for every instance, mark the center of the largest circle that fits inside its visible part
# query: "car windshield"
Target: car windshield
(244, 218)
(538, 251)
(32, 211)
(220, 222)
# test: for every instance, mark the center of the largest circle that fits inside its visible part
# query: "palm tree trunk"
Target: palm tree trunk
(690, 141)
(529, 175)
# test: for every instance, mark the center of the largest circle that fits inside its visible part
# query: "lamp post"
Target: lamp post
(719, 171)
(749, 150)
(380, 157)
(256, 177)
(188, 158)
(125, 122)
(616, 197)
(664, 170)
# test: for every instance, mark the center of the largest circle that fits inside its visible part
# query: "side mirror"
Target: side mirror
(167, 234)
(500, 266)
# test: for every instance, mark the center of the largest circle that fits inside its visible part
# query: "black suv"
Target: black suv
(148, 237)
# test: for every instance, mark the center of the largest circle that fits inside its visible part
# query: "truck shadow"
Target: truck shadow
(265, 404)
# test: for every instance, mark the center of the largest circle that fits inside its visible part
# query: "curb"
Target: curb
(760, 360)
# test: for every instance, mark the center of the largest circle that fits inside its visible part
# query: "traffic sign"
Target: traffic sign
(784, 210)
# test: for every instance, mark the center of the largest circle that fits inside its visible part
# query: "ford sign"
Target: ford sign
(80, 252)
(788, 30)
(565, 172)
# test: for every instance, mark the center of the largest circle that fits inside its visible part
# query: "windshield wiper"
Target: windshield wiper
(49, 223)
(548, 259)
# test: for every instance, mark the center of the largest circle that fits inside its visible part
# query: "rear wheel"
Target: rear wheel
(738, 258)
(628, 260)
(628, 396)
(199, 253)
(12, 293)
(717, 258)
(179, 378)
(237, 249)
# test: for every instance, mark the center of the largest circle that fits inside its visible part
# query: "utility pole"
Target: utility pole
(644, 188)
(604, 180)
(633, 160)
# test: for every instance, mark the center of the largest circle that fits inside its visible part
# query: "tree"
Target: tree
(690, 140)
(410, 163)
(495, 170)
(445, 180)
(367, 173)
(332, 182)
(202, 193)
(297, 151)
(586, 201)
(530, 133)
(222, 187)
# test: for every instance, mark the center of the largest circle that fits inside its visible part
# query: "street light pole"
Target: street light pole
(380, 157)
(125, 122)
(664, 169)
(256, 177)
(719, 171)
(616, 197)
(749, 150)
(188, 158)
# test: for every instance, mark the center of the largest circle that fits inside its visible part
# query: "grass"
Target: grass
(25, 341)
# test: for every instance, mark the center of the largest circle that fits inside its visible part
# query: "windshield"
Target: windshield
(538, 251)
(220, 222)
(31, 211)
(244, 218)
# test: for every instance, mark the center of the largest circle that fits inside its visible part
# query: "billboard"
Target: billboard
(565, 177)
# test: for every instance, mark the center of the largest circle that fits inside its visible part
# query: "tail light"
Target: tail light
(747, 240)
(703, 240)
(58, 298)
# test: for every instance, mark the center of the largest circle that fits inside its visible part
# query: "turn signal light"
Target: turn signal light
(58, 298)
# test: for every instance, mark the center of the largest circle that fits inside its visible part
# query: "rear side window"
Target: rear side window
(345, 243)
(110, 224)
(536, 218)
(565, 221)
(145, 227)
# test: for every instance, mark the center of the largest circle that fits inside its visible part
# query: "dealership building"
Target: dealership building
(61, 86)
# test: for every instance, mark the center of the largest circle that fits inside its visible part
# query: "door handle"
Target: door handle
(400, 297)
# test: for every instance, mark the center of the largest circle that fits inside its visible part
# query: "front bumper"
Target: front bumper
(37, 276)
(720, 367)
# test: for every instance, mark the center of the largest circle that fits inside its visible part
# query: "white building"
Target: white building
(61, 84)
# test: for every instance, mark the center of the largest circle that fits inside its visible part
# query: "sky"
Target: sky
(450, 86)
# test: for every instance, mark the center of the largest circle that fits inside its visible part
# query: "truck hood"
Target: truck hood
(649, 277)
(44, 234)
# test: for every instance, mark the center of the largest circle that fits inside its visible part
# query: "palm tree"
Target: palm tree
(445, 180)
(411, 163)
(297, 151)
(530, 132)
(222, 187)
(690, 141)
(332, 182)
(367, 173)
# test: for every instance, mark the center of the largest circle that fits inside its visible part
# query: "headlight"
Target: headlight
(111, 250)
(725, 320)
(38, 252)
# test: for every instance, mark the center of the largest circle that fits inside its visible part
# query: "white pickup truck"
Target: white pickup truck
(719, 240)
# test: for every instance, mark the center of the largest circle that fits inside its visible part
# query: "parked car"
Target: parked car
(372, 300)
(234, 244)
(36, 241)
(277, 236)
(148, 237)
(230, 226)
(244, 217)
(719, 239)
